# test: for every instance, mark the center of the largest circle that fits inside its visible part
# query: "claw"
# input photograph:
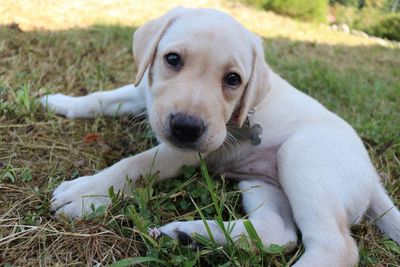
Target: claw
(154, 233)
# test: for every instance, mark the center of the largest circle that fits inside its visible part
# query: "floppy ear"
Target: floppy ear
(146, 39)
(259, 82)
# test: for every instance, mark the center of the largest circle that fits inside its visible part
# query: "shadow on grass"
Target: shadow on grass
(360, 83)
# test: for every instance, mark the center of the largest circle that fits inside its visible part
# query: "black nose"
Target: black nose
(186, 129)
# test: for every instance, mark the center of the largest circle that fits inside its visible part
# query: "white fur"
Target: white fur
(325, 178)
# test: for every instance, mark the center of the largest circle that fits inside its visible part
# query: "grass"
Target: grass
(75, 49)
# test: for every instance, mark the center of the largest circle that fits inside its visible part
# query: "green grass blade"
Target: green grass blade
(203, 218)
(136, 261)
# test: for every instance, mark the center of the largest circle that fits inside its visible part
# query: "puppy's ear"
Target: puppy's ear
(146, 39)
(259, 82)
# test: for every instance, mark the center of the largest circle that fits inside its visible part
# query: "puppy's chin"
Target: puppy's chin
(199, 146)
(189, 147)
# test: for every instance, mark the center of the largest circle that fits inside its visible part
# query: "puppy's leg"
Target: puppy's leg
(124, 100)
(268, 211)
(74, 198)
(327, 177)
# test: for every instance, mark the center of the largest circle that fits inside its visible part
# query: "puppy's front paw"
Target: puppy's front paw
(77, 197)
(60, 104)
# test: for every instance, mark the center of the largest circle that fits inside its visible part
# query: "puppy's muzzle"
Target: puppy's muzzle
(185, 128)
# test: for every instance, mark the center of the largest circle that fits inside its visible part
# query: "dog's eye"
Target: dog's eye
(173, 59)
(232, 79)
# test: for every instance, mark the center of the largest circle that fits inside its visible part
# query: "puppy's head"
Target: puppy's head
(203, 68)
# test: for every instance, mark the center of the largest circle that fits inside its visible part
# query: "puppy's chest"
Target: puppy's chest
(248, 163)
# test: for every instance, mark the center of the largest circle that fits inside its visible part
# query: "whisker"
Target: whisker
(230, 145)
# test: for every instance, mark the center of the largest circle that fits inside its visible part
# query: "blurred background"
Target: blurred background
(379, 18)
(375, 17)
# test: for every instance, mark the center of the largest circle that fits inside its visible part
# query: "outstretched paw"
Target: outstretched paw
(78, 197)
(60, 104)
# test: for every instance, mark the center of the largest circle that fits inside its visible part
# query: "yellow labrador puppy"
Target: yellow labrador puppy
(199, 69)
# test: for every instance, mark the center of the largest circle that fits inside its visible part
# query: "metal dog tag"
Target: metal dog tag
(255, 129)
(249, 130)
(255, 134)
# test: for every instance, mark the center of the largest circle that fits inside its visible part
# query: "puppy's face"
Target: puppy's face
(197, 77)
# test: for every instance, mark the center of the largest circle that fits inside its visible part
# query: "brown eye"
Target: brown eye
(232, 79)
(173, 59)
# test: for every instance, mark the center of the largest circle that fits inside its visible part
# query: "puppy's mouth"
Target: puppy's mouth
(194, 147)
(204, 145)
